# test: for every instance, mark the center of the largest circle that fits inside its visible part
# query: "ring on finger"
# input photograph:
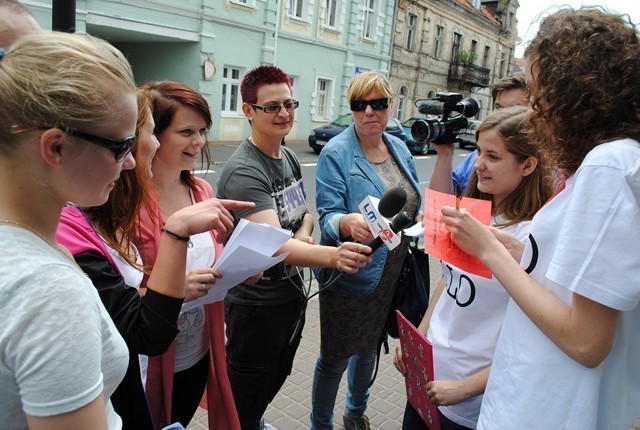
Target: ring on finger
(203, 288)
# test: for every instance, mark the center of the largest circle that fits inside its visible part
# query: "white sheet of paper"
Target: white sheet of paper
(263, 238)
(415, 230)
(248, 252)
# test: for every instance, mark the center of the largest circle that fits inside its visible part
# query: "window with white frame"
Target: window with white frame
(322, 99)
(402, 103)
(231, 78)
(369, 19)
(246, 2)
(411, 30)
(293, 80)
(332, 12)
(296, 8)
(437, 43)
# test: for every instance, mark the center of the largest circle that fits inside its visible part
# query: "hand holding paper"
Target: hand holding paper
(248, 252)
(437, 240)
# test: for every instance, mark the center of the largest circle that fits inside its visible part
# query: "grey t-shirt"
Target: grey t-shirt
(270, 183)
(60, 349)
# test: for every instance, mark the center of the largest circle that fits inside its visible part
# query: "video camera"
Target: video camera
(446, 128)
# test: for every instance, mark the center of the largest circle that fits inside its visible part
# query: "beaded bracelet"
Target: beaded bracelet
(174, 236)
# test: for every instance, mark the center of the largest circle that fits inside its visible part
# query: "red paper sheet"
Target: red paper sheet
(417, 355)
(437, 240)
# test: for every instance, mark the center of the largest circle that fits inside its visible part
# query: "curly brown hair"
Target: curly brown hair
(585, 90)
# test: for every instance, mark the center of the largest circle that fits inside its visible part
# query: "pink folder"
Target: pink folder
(417, 355)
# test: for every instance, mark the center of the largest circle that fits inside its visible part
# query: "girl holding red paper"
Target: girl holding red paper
(465, 315)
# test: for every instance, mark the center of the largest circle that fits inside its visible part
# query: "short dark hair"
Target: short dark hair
(514, 81)
(256, 78)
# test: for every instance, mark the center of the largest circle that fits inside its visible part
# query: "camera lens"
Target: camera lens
(427, 130)
(467, 107)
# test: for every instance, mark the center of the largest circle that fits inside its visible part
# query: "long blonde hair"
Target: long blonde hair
(62, 80)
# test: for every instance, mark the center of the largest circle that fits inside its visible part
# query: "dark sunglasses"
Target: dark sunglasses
(120, 148)
(288, 106)
(376, 104)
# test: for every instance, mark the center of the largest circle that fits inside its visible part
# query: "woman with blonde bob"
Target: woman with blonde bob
(362, 161)
(463, 324)
(66, 130)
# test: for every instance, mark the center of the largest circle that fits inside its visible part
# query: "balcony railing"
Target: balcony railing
(469, 75)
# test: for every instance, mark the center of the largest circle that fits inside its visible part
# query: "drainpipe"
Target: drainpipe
(63, 16)
(276, 33)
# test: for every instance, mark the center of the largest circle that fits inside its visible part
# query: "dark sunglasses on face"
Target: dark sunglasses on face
(288, 106)
(376, 104)
(120, 148)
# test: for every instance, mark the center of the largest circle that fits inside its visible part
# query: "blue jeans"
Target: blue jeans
(326, 382)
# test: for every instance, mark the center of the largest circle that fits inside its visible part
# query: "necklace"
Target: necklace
(47, 241)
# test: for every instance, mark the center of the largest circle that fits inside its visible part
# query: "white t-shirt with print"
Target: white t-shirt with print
(585, 240)
(465, 326)
(59, 347)
(191, 342)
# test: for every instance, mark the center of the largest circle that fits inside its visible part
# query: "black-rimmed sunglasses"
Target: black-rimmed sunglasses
(120, 148)
(288, 106)
(376, 104)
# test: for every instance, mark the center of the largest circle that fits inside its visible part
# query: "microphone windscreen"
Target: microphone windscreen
(392, 202)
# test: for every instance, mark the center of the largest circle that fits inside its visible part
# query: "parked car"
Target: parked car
(467, 137)
(415, 147)
(319, 136)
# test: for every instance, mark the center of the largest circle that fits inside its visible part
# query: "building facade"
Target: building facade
(210, 45)
(460, 46)
(424, 46)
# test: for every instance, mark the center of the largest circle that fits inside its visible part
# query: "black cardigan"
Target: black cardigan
(147, 324)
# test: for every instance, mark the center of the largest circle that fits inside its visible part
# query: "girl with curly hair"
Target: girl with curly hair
(568, 351)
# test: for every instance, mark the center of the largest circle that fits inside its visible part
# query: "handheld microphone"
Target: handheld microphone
(391, 202)
(400, 222)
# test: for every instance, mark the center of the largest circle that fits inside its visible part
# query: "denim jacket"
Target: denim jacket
(344, 178)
